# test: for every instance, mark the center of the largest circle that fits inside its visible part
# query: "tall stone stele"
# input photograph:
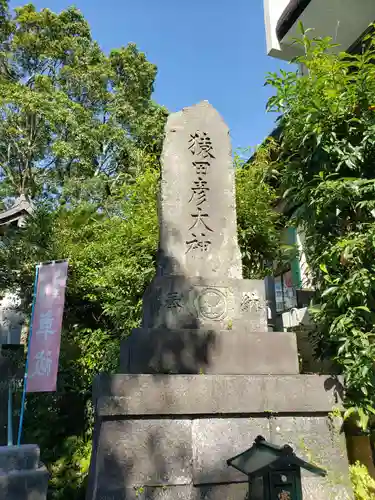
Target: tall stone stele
(203, 377)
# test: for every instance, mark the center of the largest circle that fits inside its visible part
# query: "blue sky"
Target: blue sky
(212, 49)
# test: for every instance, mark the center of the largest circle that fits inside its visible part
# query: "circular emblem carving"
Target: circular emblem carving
(212, 304)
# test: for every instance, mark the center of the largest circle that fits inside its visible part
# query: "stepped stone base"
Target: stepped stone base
(209, 351)
(22, 477)
(169, 436)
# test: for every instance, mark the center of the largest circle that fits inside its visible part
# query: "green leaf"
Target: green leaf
(363, 308)
(325, 171)
(329, 291)
(81, 137)
(363, 419)
(323, 268)
(349, 412)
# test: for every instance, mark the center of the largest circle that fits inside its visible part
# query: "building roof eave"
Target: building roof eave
(21, 208)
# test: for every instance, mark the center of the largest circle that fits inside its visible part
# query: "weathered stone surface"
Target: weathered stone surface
(163, 458)
(223, 492)
(19, 457)
(144, 452)
(316, 488)
(180, 302)
(211, 394)
(146, 493)
(316, 390)
(217, 439)
(24, 484)
(208, 351)
(21, 475)
(198, 230)
(132, 468)
(317, 439)
(207, 492)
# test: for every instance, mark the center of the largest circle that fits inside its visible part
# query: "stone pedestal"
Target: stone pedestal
(203, 376)
(230, 352)
(22, 476)
(169, 436)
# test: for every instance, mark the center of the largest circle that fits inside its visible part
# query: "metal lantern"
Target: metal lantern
(274, 472)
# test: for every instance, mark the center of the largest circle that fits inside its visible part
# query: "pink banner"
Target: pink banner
(44, 345)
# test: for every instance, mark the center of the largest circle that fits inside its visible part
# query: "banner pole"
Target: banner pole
(10, 417)
(10, 405)
(20, 425)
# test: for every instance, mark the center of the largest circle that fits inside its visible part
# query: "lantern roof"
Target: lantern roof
(264, 456)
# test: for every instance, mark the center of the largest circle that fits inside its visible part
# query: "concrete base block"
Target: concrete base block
(317, 439)
(24, 484)
(145, 493)
(145, 452)
(186, 458)
(189, 492)
(24, 457)
(222, 492)
(214, 440)
(164, 437)
(320, 489)
(22, 477)
(229, 352)
(169, 395)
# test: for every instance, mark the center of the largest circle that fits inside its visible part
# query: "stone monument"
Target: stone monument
(203, 377)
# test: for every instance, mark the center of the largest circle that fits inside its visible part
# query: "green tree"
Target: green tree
(111, 261)
(70, 112)
(326, 157)
(80, 136)
(258, 222)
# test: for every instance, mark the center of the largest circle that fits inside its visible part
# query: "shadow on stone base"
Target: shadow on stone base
(169, 436)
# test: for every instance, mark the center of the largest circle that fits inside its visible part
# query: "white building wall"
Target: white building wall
(304, 268)
(272, 12)
(342, 20)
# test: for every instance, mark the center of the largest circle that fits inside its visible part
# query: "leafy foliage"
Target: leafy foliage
(68, 111)
(111, 261)
(258, 223)
(326, 158)
(80, 136)
(363, 483)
